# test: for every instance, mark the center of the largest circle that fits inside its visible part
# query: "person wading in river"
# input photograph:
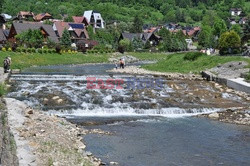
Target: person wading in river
(122, 63)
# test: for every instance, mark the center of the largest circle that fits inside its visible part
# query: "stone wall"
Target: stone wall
(7, 143)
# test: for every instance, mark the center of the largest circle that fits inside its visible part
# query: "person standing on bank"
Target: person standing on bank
(6, 64)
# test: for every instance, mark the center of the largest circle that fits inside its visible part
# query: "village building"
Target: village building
(43, 16)
(24, 15)
(235, 11)
(77, 30)
(80, 20)
(94, 18)
(144, 37)
(47, 30)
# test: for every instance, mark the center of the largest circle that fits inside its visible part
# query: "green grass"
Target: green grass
(149, 56)
(176, 63)
(2, 90)
(24, 60)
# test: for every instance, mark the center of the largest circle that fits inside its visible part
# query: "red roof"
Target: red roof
(80, 19)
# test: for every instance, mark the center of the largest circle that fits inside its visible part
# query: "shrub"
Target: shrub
(18, 49)
(53, 51)
(58, 49)
(49, 51)
(3, 49)
(24, 50)
(29, 50)
(33, 50)
(45, 50)
(192, 56)
(40, 50)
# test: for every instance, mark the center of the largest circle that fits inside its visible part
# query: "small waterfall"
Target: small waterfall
(78, 100)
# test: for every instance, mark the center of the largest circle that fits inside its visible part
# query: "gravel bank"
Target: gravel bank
(46, 140)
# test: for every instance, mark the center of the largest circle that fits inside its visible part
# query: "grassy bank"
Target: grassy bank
(149, 56)
(24, 60)
(176, 63)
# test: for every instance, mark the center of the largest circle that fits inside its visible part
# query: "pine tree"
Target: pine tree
(65, 40)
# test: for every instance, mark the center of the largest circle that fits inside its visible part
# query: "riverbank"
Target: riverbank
(46, 140)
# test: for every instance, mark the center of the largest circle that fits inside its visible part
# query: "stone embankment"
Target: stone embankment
(42, 139)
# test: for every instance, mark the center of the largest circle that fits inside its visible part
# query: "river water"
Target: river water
(151, 126)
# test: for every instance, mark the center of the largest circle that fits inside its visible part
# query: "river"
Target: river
(148, 126)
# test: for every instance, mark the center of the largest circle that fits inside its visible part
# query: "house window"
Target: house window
(99, 23)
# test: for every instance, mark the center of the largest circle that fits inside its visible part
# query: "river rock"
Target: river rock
(59, 101)
(55, 98)
(214, 115)
(113, 163)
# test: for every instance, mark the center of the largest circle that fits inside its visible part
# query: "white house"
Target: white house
(94, 18)
(235, 11)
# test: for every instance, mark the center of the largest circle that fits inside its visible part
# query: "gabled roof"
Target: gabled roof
(142, 36)
(21, 27)
(79, 19)
(25, 13)
(76, 27)
(2, 36)
(41, 16)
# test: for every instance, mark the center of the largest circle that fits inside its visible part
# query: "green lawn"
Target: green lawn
(24, 60)
(149, 56)
(176, 63)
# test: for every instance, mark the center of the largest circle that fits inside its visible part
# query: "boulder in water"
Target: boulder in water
(214, 115)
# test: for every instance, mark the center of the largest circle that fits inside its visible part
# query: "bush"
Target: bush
(45, 50)
(58, 49)
(49, 51)
(192, 56)
(18, 49)
(3, 49)
(24, 50)
(29, 50)
(33, 50)
(69, 51)
(40, 50)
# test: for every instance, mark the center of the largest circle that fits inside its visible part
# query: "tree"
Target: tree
(137, 25)
(65, 40)
(31, 38)
(125, 44)
(237, 28)
(219, 27)
(206, 38)
(137, 43)
(229, 42)
(246, 32)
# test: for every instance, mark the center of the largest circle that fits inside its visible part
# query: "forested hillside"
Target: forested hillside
(152, 11)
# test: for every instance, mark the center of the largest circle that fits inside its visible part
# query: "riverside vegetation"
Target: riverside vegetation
(176, 62)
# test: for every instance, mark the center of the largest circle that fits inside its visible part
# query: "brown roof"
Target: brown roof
(21, 27)
(25, 13)
(78, 28)
(42, 16)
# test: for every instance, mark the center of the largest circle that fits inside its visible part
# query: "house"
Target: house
(80, 20)
(47, 30)
(235, 11)
(191, 31)
(24, 15)
(151, 37)
(43, 16)
(3, 38)
(2, 21)
(77, 30)
(94, 18)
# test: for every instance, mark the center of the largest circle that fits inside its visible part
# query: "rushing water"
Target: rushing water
(148, 126)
